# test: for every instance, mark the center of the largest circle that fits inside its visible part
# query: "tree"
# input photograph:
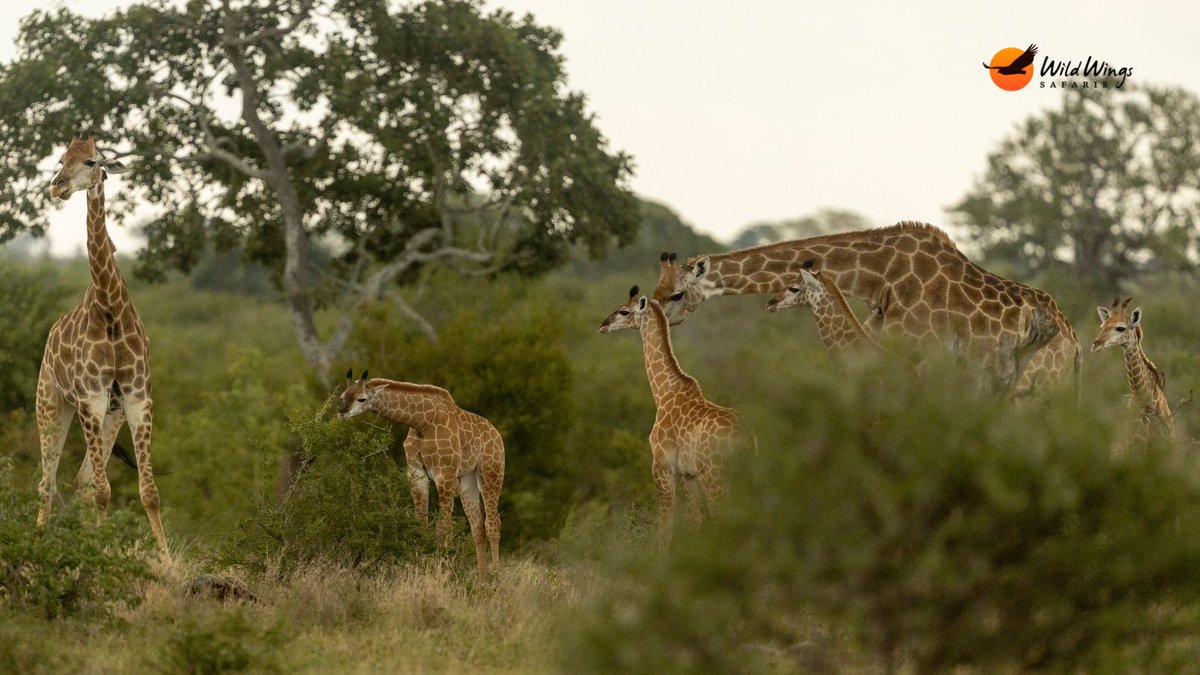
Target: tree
(391, 138)
(1103, 188)
(825, 221)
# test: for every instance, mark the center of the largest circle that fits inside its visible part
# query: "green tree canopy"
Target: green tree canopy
(1104, 187)
(394, 136)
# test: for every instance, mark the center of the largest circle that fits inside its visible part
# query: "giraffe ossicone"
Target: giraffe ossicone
(96, 364)
(459, 451)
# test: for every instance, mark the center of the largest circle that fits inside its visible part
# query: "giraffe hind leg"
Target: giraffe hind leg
(84, 480)
(141, 423)
(468, 493)
(491, 478)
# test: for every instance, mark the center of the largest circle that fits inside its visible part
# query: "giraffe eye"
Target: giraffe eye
(793, 289)
(1120, 329)
(624, 312)
(677, 297)
(89, 163)
(362, 400)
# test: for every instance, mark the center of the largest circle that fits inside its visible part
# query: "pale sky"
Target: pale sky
(737, 112)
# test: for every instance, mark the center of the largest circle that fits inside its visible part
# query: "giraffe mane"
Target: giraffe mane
(905, 226)
(409, 387)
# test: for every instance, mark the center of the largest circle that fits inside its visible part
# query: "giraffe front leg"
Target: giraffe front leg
(418, 483)
(664, 480)
(91, 418)
(468, 494)
(140, 413)
(53, 421)
(695, 500)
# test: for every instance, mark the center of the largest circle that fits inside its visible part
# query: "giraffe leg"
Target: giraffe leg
(418, 482)
(468, 494)
(91, 418)
(664, 480)
(713, 485)
(84, 483)
(491, 477)
(444, 481)
(53, 421)
(141, 422)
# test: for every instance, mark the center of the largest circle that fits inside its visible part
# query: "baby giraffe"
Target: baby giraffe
(1121, 327)
(839, 328)
(457, 449)
(691, 435)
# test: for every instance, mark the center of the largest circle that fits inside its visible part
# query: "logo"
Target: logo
(1011, 68)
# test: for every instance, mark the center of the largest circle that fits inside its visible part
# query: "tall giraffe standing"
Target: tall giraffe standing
(1120, 327)
(691, 435)
(461, 451)
(836, 323)
(96, 364)
(915, 282)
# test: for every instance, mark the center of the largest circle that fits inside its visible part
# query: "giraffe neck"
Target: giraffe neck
(836, 323)
(1142, 374)
(109, 287)
(663, 371)
(414, 405)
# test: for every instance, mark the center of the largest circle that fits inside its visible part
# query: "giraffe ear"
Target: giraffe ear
(113, 165)
(1104, 313)
(642, 303)
(349, 373)
(1135, 317)
(700, 267)
(811, 282)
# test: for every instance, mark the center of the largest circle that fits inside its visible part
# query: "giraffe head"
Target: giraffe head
(1118, 325)
(358, 397)
(681, 288)
(83, 167)
(806, 293)
(625, 316)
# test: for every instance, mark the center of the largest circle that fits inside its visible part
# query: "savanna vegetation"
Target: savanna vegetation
(887, 523)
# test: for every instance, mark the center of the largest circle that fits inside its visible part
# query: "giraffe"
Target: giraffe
(445, 444)
(839, 328)
(1123, 328)
(96, 363)
(915, 282)
(691, 435)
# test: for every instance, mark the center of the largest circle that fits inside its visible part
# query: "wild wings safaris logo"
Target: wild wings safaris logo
(1012, 68)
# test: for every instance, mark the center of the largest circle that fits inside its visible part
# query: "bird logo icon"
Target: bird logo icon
(1011, 69)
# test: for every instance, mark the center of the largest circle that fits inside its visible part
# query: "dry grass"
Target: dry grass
(427, 618)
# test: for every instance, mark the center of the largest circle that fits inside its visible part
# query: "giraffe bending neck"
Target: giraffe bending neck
(109, 286)
(1145, 380)
(662, 369)
(413, 405)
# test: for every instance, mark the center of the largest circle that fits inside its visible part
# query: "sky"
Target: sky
(757, 110)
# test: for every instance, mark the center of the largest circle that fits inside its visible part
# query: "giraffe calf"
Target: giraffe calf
(836, 323)
(456, 449)
(691, 436)
(1120, 327)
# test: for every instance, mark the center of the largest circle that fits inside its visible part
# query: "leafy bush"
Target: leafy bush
(77, 564)
(349, 504)
(33, 301)
(221, 640)
(914, 521)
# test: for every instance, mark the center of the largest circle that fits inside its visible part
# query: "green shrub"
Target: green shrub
(349, 504)
(77, 564)
(915, 521)
(33, 301)
(222, 640)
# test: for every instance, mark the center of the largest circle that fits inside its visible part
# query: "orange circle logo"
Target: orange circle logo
(1012, 68)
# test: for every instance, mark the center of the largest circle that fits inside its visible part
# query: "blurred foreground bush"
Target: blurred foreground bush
(33, 300)
(917, 523)
(349, 504)
(76, 565)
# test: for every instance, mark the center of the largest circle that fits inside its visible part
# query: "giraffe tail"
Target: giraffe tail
(122, 454)
(1077, 368)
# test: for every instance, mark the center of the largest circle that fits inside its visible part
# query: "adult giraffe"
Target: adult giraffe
(96, 364)
(916, 282)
